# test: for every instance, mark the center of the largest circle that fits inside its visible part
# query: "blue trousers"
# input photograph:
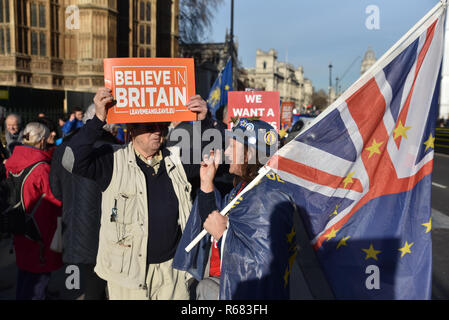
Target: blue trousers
(31, 286)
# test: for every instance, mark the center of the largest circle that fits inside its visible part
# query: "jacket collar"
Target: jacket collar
(166, 154)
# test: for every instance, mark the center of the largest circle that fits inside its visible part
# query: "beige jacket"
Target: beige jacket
(122, 252)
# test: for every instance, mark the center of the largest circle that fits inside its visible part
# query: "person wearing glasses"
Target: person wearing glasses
(145, 203)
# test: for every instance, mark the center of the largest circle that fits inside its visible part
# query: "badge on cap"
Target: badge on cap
(249, 126)
(270, 138)
(243, 123)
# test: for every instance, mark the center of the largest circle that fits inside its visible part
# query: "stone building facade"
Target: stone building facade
(59, 45)
(210, 59)
(273, 75)
(368, 60)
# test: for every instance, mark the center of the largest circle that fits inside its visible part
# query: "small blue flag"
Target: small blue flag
(218, 94)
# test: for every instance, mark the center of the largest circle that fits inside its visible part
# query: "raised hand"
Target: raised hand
(103, 100)
(198, 105)
(208, 170)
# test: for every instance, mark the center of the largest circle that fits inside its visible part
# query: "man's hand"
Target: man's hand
(103, 100)
(208, 169)
(216, 224)
(198, 105)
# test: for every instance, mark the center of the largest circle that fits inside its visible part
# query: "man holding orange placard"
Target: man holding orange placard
(145, 202)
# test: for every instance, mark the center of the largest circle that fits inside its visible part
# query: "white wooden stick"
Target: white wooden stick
(262, 172)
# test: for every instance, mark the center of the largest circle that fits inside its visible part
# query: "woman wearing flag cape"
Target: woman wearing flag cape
(252, 250)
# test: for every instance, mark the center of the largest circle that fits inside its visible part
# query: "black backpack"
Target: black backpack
(13, 216)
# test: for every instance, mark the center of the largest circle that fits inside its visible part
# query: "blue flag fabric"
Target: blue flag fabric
(361, 175)
(259, 248)
(218, 94)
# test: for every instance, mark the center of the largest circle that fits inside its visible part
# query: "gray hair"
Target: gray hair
(89, 114)
(34, 132)
(15, 115)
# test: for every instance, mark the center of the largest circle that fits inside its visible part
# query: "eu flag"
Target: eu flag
(361, 174)
(218, 94)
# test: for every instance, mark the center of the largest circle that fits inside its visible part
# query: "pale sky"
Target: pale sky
(316, 32)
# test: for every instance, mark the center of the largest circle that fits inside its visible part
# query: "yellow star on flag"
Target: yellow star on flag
(371, 252)
(335, 211)
(428, 225)
(401, 131)
(430, 142)
(226, 87)
(291, 235)
(331, 234)
(374, 148)
(342, 242)
(348, 179)
(406, 248)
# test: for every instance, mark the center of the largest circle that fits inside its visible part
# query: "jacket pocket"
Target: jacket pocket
(126, 208)
(118, 257)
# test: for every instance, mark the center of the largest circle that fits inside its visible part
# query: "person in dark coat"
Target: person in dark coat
(81, 205)
(35, 259)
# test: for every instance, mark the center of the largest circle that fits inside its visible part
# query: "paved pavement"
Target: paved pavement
(440, 227)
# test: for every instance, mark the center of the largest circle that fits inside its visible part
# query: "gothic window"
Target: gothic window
(22, 27)
(5, 44)
(142, 10)
(143, 27)
(42, 44)
(264, 65)
(42, 19)
(34, 43)
(148, 35)
(33, 14)
(148, 11)
(54, 28)
(2, 42)
(38, 22)
(142, 34)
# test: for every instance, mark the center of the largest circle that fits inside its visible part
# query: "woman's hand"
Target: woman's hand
(216, 224)
(208, 170)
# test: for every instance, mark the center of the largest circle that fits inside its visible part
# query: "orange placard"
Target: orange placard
(150, 89)
(287, 113)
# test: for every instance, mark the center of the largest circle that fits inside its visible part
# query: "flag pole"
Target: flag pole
(382, 62)
(262, 172)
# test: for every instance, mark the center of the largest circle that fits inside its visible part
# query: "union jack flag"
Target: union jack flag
(361, 173)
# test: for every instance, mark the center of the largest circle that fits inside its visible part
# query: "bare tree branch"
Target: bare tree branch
(195, 18)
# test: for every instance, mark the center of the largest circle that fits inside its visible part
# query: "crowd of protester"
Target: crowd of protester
(89, 189)
(30, 167)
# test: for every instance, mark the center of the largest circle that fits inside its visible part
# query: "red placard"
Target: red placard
(287, 113)
(150, 89)
(249, 104)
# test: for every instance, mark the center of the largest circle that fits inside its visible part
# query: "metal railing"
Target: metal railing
(442, 140)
